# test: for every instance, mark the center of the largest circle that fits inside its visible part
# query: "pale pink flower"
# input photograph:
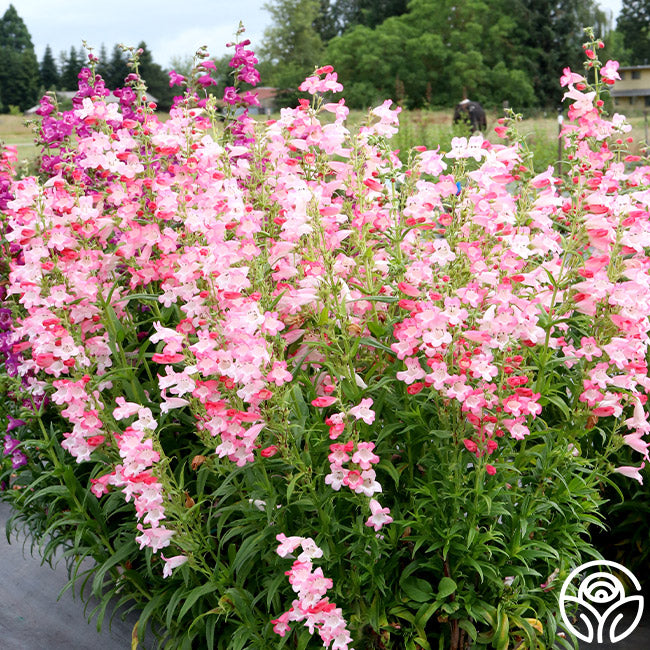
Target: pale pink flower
(172, 563)
(363, 411)
(631, 472)
(364, 456)
(569, 78)
(609, 71)
(287, 544)
(379, 517)
(635, 441)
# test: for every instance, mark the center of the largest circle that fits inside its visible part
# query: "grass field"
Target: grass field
(427, 128)
(15, 131)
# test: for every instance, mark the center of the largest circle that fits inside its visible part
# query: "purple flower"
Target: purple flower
(18, 459)
(10, 444)
(206, 80)
(11, 365)
(14, 423)
(46, 106)
(175, 79)
(230, 95)
(5, 319)
(250, 98)
(249, 75)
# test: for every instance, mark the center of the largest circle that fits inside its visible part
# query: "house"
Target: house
(633, 90)
(266, 98)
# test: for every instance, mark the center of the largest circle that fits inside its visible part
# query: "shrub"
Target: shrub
(311, 389)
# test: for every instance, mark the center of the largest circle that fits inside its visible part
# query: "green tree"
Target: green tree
(327, 23)
(441, 50)
(102, 66)
(370, 13)
(549, 34)
(634, 26)
(49, 74)
(13, 32)
(438, 51)
(19, 73)
(155, 78)
(117, 68)
(291, 46)
(71, 64)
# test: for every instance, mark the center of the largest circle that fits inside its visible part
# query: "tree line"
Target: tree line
(421, 53)
(23, 79)
(432, 52)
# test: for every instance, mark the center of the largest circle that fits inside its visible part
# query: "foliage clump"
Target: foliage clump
(312, 390)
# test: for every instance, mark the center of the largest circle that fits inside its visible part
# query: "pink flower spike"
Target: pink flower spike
(206, 80)
(634, 440)
(125, 409)
(175, 79)
(281, 625)
(631, 472)
(364, 456)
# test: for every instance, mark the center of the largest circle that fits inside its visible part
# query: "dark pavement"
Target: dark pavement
(639, 639)
(31, 617)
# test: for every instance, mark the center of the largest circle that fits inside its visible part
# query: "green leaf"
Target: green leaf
(389, 468)
(425, 613)
(193, 596)
(117, 325)
(117, 557)
(501, 637)
(446, 587)
(468, 626)
(249, 550)
(292, 485)
(417, 589)
(559, 402)
(374, 343)
(377, 329)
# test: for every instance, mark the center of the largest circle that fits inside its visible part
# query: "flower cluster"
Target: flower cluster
(135, 478)
(311, 605)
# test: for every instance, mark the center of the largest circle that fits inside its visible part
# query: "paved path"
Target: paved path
(31, 617)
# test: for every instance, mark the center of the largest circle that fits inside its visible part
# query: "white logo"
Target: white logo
(601, 597)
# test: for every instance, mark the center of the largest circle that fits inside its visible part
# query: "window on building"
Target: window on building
(636, 74)
(621, 74)
(647, 100)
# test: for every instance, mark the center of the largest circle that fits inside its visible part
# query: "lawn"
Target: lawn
(422, 127)
(14, 130)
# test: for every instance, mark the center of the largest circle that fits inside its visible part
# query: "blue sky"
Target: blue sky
(170, 28)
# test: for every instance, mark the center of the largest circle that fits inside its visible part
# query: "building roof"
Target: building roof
(69, 94)
(634, 92)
